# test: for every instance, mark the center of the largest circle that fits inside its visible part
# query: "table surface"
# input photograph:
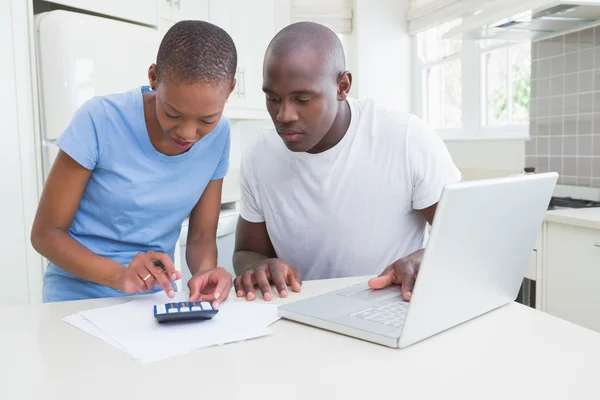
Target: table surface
(514, 352)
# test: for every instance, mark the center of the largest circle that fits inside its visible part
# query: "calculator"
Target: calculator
(184, 311)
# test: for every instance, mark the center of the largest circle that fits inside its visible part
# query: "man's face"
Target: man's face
(302, 98)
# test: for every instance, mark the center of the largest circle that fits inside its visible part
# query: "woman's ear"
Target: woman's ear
(233, 83)
(152, 76)
(344, 85)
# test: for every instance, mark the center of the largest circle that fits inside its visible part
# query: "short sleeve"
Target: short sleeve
(223, 165)
(430, 163)
(84, 138)
(250, 209)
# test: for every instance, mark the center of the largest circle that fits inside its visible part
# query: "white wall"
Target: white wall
(20, 266)
(382, 52)
(479, 159)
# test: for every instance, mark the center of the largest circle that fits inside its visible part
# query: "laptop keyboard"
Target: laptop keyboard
(390, 312)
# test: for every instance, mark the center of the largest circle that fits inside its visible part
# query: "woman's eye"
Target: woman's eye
(207, 122)
(171, 116)
(302, 101)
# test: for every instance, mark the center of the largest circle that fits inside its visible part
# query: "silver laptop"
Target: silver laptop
(481, 242)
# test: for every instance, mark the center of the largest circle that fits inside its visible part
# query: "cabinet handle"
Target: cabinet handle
(597, 244)
(242, 83)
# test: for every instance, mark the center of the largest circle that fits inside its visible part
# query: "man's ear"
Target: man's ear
(152, 76)
(344, 85)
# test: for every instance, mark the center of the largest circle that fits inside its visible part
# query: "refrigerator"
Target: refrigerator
(80, 56)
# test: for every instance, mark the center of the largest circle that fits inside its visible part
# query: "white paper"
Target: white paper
(131, 327)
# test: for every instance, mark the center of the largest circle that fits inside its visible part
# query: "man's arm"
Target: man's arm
(252, 245)
(429, 213)
(255, 263)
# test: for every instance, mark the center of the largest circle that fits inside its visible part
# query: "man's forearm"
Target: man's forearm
(243, 260)
(201, 256)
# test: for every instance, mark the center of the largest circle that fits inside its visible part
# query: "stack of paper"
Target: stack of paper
(132, 328)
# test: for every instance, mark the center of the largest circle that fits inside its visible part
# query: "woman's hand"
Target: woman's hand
(210, 285)
(144, 275)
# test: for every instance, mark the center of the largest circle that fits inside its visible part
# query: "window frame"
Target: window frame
(473, 94)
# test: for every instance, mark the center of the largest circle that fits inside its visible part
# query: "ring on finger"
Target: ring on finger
(146, 277)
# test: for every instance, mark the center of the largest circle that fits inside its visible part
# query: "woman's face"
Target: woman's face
(187, 112)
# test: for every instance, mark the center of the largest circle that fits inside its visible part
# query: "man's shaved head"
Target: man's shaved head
(303, 36)
(306, 85)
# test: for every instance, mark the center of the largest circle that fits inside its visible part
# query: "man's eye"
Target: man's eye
(272, 98)
(302, 101)
(171, 116)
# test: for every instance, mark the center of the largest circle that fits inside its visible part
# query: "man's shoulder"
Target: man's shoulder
(387, 121)
(262, 144)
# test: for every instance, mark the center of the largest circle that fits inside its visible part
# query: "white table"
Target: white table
(512, 353)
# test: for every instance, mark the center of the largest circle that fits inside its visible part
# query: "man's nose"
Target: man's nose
(287, 113)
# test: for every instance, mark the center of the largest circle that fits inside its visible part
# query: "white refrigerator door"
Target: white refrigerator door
(81, 56)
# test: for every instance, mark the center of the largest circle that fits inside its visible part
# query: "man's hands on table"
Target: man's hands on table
(275, 271)
(263, 274)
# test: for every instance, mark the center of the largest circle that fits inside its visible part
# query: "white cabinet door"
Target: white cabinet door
(21, 265)
(254, 25)
(220, 13)
(572, 274)
(165, 9)
(143, 11)
(189, 9)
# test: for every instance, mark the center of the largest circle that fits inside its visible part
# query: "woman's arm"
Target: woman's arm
(201, 247)
(49, 236)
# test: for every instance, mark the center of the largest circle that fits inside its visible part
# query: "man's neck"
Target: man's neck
(337, 130)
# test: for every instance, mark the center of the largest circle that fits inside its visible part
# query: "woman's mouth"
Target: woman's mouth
(181, 145)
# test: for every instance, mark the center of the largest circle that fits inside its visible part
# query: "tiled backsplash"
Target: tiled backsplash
(565, 107)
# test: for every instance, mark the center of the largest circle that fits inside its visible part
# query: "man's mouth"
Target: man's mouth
(289, 135)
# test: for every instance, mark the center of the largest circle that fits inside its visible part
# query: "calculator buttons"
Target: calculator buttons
(161, 309)
(184, 307)
(172, 307)
(205, 305)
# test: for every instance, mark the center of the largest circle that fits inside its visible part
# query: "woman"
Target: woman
(131, 167)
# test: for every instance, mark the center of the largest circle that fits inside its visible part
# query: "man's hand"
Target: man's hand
(272, 270)
(211, 285)
(402, 272)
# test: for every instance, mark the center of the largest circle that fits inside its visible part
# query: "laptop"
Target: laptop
(480, 244)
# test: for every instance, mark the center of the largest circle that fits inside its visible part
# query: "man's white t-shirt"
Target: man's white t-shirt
(351, 210)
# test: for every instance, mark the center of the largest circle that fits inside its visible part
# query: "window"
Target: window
(472, 88)
(506, 85)
(442, 76)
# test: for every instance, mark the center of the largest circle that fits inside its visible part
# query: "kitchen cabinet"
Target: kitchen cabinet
(179, 10)
(252, 25)
(172, 11)
(572, 274)
(141, 11)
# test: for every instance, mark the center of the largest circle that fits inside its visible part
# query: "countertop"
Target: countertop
(514, 352)
(584, 217)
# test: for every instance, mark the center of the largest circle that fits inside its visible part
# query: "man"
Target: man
(339, 187)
